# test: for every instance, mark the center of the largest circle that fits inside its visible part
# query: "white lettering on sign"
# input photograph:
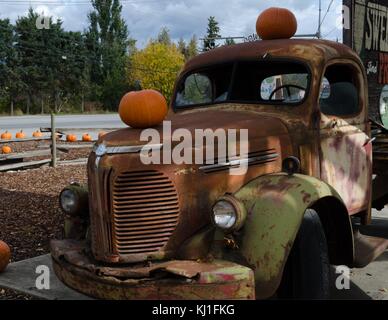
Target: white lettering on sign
(371, 68)
(376, 33)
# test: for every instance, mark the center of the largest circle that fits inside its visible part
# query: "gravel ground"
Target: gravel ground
(29, 212)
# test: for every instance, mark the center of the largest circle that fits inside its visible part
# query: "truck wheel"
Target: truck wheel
(307, 271)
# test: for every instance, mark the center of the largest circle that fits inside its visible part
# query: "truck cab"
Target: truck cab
(189, 230)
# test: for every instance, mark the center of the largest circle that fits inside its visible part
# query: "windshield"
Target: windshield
(258, 82)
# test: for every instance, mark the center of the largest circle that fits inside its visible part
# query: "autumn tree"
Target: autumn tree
(156, 67)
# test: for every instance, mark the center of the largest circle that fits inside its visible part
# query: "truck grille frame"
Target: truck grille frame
(145, 212)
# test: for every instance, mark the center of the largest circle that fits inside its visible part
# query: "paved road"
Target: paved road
(31, 123)
(370, 282)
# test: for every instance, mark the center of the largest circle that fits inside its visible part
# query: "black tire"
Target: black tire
(307, 271)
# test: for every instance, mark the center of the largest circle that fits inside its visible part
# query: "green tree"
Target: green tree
(229, 41)
(192, 47)
(156, 67)
(213, 30)
(182, 47)
(51, 63)
(10, 82)
(108, 45)
(164, 37)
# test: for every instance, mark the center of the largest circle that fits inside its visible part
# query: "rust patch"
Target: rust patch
(306, 196)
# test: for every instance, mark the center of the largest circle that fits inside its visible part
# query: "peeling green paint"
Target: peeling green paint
(275, 204)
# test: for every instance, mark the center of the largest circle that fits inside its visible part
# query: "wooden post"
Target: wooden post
(53, 142)
(11, 106)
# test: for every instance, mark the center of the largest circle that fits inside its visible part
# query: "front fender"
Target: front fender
(275, 207)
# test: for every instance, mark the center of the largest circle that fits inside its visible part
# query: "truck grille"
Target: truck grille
(145, 211)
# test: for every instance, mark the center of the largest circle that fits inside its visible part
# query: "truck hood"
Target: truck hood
(258, 125)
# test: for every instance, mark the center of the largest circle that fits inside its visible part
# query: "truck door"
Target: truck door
(345, 147)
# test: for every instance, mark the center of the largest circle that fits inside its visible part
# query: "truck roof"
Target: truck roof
(311, 50)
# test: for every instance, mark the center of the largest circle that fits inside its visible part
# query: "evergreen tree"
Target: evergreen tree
(164, 37)
(10, 82)
(192, 47)
(107, 42)
(182, 47)
(213, 30)
(229, 41)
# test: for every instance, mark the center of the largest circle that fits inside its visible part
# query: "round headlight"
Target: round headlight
(69, 201)
(224, 215)
(228, 214)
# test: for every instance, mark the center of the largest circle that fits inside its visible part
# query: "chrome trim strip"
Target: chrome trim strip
(232, 163)
(102, 150)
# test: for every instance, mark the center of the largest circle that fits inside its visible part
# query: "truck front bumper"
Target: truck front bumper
(170, 280)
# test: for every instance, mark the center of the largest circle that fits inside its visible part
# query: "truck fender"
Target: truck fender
(275, 206)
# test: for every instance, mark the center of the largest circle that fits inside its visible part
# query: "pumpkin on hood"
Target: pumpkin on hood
(143, 109)
(5, 255)
(276, 23)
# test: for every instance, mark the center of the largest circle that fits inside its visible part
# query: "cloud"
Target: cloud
(187, 17)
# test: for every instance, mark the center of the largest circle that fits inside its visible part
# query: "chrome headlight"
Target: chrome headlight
(228, 214)
(74, 200)
(68, 200)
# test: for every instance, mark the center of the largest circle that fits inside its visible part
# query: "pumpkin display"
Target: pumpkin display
(5, 255)
(276, 23)
(6, 135)
(101, 134)
(20, 135)
(6, 150)
(86, 137)
(143, 109)
(37, 134)
(71, 138)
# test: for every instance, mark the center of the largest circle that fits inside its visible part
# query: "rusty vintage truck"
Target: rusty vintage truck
(188, 231)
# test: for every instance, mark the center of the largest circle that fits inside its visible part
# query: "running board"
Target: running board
(367, 249)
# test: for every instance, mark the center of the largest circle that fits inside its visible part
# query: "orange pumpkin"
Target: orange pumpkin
(20, 135)
(37, 134)
(6, 149)
(5, 255)
(6, 136)
(276, 23)
(71, 138)
(101, 134)
(143, 109)
(86, 137)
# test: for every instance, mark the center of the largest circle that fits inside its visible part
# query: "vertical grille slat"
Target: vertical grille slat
(145, 211)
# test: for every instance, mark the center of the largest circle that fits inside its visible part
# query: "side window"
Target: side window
(197, 89)
(288, 88)
(339, 91)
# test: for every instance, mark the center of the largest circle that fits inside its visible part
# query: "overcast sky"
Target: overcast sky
(183, 17)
